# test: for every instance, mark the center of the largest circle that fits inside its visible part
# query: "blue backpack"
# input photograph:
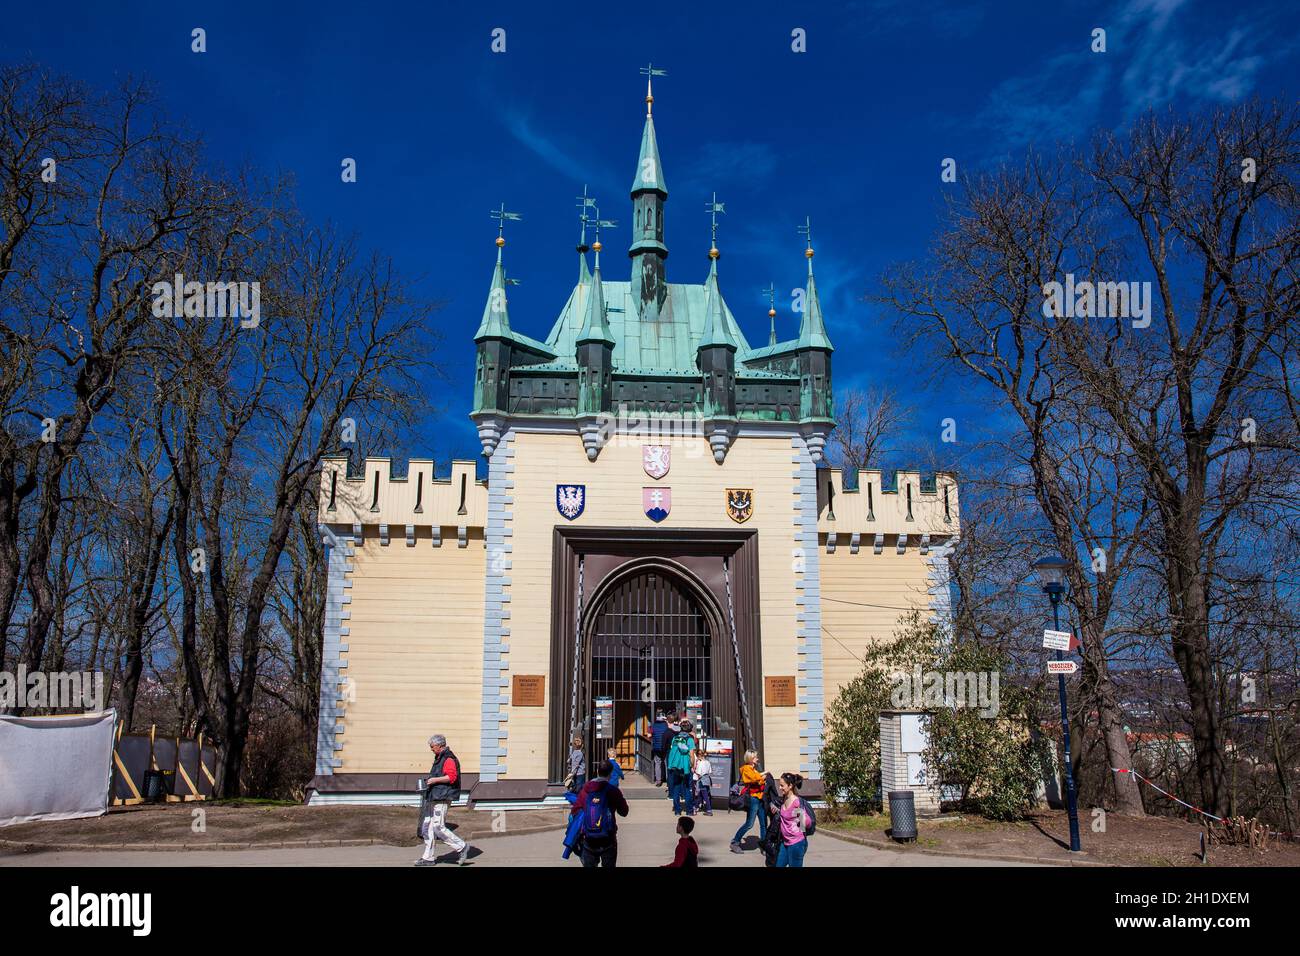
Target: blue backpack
(598, 815)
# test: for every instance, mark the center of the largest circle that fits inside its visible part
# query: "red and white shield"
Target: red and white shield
(656, 459)
(656, 501)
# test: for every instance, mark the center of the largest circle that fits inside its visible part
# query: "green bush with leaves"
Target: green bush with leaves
(850, 758)
(994, 759)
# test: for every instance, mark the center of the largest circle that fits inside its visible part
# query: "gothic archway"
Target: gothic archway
(649, 636)
(697, 594)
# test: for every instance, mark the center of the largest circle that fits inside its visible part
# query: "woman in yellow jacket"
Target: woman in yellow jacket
(751, 783)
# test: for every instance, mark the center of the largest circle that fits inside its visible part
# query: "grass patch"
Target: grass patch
(872, 822)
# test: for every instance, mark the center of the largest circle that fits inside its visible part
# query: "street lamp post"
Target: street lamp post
(1051, 572)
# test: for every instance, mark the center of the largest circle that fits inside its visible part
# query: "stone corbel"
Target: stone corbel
(592, 428)
(490, 430)
(721, 433)
(815, 435)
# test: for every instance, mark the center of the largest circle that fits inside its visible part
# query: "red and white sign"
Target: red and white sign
(1057, 640)
(1061, 667)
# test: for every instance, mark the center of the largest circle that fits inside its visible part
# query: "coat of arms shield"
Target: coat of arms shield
(656, 459)
(656, 502)
(570, 500)
(740, 504)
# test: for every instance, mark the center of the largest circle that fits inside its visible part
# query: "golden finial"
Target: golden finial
(595, 246)
(502, 217)
(649, 71)
(713, 207)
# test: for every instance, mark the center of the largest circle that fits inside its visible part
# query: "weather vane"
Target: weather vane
(713, 207)
(649, 71)
(771, 312)
(585, 202)
(501, 216)
(806, 230)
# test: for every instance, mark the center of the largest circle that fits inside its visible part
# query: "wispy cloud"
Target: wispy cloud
(1157, 52)
(734, 164)
(553, 153)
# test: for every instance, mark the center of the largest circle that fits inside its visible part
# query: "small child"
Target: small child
(703, 774)
(615, 768)
(688, 851)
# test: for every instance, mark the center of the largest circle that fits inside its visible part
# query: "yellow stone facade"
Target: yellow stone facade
(441, 589)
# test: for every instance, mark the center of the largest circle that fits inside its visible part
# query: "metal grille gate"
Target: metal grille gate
(650, 648)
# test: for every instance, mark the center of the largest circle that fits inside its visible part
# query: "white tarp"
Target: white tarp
(55, 768)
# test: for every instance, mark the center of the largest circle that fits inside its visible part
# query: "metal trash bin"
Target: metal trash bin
(902, 815)
(155, 786)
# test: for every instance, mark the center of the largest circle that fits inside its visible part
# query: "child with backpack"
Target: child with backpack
(597, 804)
(688, 851)
(796, 820)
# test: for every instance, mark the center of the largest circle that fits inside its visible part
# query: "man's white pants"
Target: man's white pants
(437, 824)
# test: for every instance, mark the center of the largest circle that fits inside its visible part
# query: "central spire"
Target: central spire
(649, 193)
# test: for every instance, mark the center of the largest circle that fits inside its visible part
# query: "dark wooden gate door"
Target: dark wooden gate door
(650, 649)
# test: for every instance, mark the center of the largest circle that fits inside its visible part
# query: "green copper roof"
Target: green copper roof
(595, 325)
(649, 170)
(666, 345)
(812, 328)
(716, 332)
(496, 318)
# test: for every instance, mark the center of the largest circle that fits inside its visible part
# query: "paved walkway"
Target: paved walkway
(646, 838)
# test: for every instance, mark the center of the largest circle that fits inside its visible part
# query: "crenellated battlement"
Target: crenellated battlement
(420, 499)
(890, 503)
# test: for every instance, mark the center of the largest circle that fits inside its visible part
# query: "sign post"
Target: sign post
(1061, 670)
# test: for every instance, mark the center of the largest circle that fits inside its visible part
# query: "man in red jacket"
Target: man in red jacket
(441, 790)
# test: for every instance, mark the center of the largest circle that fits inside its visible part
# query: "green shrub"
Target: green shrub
(850, 758)
(993, 759)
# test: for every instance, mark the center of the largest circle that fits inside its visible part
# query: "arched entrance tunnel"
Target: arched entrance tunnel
(645, 625)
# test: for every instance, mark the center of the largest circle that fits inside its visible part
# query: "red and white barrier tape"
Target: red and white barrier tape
(1184, 803)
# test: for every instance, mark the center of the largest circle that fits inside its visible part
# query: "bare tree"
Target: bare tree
(978, 305)
(866, 423)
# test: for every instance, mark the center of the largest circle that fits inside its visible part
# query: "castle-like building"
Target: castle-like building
(658, 532)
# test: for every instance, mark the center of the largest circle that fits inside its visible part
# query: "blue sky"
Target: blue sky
(850, 133)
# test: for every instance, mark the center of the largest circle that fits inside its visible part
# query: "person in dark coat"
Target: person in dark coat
(441, 789)
(660, 734)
